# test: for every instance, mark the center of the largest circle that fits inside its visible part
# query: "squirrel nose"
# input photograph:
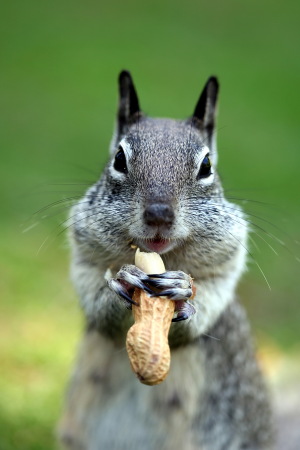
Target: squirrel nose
(159, 214)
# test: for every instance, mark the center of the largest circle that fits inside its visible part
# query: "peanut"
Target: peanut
(147, 340)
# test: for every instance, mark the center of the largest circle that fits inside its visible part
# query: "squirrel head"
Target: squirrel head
(160, 189)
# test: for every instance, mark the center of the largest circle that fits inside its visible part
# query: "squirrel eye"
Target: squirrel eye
(120, 161)
(205, 168)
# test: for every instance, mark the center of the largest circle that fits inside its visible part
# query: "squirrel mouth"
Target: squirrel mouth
(157, 244)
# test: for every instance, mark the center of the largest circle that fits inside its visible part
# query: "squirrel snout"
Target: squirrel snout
(159, 214)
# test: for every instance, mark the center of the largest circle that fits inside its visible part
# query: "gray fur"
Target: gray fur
(213, 397)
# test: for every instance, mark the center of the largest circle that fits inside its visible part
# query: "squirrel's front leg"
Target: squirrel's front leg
(102, 307)
(176, 285)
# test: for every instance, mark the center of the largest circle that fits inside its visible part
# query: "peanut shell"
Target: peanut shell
(147, 340)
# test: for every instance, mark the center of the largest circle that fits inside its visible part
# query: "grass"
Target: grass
(39, 329)
(58, 99)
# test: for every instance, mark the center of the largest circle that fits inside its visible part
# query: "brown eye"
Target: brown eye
(120, 161)
(205, 168)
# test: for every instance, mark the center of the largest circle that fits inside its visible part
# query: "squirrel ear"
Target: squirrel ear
(205, 111)
(129, 109)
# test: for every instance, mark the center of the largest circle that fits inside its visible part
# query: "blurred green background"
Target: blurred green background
(60, 61)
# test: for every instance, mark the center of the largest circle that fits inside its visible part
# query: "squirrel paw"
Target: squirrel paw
(176, 285)
(128, 278)
(183, 311)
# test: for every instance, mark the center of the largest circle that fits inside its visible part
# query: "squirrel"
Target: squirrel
(160, 191)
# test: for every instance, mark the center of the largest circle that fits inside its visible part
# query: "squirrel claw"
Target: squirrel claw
(175, 294)
(121, 291)
(133, 277)
(184, 312)
(165, 283)
(180, 317)
(176, 285)
(172, 274)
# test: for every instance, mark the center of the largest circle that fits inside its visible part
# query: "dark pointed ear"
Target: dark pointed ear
(205, 111)
(129, 109)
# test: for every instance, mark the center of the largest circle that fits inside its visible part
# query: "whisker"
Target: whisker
(30, 227)
(62, 231)
(248, 252)
(254, 243)
(211, 337)
(264, 240)
(57, 202)
(271, 235)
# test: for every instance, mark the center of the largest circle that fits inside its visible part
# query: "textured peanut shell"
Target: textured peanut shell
(147, 340)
